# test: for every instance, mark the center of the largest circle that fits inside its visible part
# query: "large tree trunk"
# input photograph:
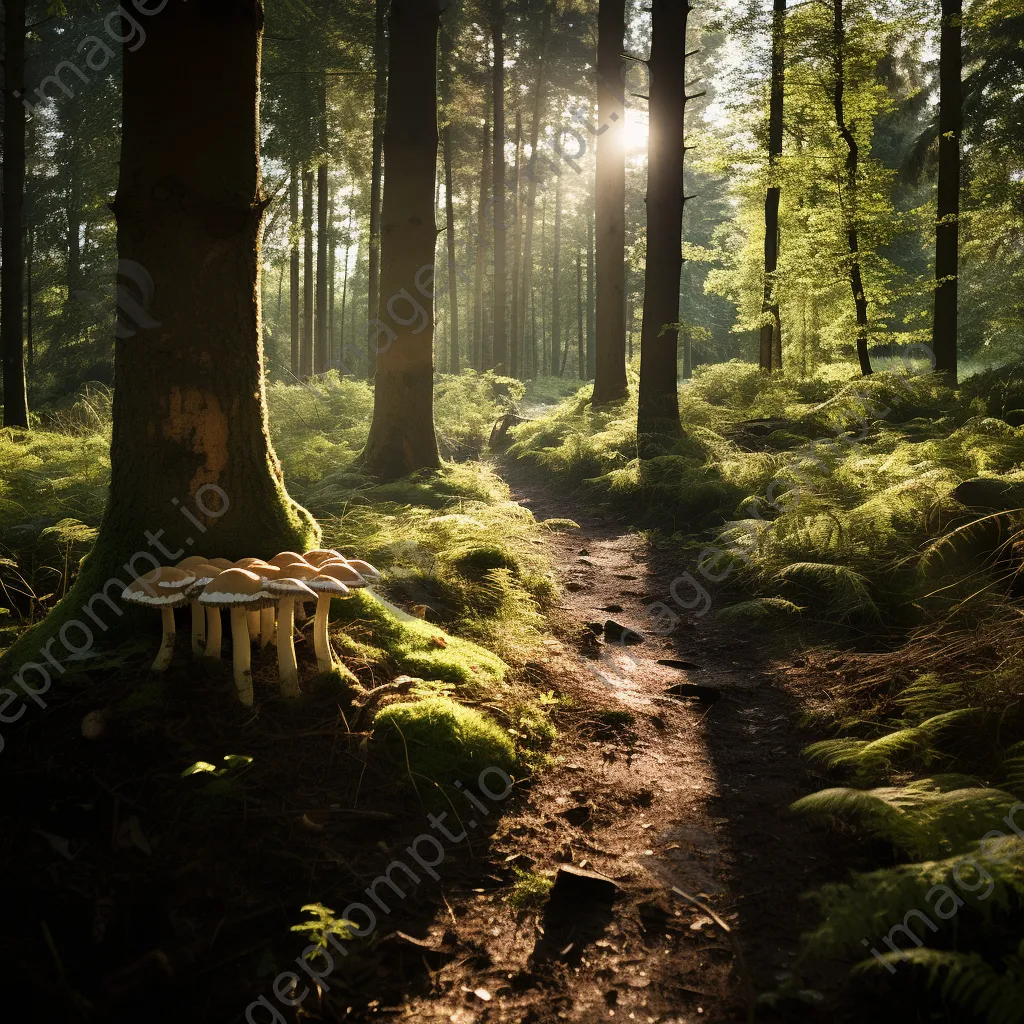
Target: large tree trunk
(610, 205)
(526, 290)
(590, 298)
(12, 295)
(771, 320)
(947, 223)
(479, 344)
(323, 240)
(658, 415)
(192, 466)
(306, 361)
(517, 237)
(402, 436)
(294, 282)
(499, 349)
(380, 96)
(849, 201)
(556, 306)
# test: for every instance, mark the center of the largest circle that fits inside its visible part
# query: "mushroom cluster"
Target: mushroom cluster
(260, 596)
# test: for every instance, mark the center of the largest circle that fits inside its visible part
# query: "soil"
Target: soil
(129, 900)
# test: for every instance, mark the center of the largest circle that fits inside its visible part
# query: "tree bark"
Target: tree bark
(610, 206)
(323, 241)
(556, 307)
(479, 344)
(12, 298)
(658, 410)
(590, 297)
(543, 290)
(947, 223)
(517, 233)
(849, 203)
(581, 344)
(332, 270)
(532, 171)
(192, 465)
(454, 365)
(402, 438)
(308, 291)
(380, 90)
(294, 281)
(771, 320)
(499, 349)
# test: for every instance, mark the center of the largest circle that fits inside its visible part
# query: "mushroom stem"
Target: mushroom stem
(240, 655)
(321, 644)
(213, 633)
(266, 625)
(254, 624)
(163, 656)
(198, 629)
(286, 663)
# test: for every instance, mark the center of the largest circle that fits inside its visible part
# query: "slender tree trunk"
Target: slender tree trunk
(532, 171)
(849, 202)
(479, 343)
(581, 344)
(610, 205)
(323, 240)
(29, 259)
(447, 51)
(308, 291)
(590, 298)
(12, 255)
(344, 284)
(687, 352)
(556, 306)
(544, 369)
(380, 97)
(332, 268)
(947, 223)
(294, 282)
(658, 415)
(192, 465)
(516, 327)
(771, 321)
(499, 349)
(402, 438)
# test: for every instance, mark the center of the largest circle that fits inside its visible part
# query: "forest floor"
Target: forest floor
(655, 791)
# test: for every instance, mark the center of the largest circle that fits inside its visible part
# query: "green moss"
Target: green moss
(530, 891)
(443, 741)
(476, 562)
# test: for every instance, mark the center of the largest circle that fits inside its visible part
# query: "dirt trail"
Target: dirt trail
(654, 791)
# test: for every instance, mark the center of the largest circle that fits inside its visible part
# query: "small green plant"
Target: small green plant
(322, 924)
(530, 891)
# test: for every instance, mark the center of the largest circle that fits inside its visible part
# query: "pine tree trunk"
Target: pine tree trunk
(454, 365)
(380, 98)
(12, 296)
(849, 201)
(947, 223)
(294, 282)
(556, 308)
(402, 438)
(590, 297)
(322, 354)
(332, 269)
(479, 345)
(581, 344)
(771, 321)
(306, 361)
(192, 466)
(610, 206)
(658, 411)
(514, 339)
(499, 349)
(543, 289)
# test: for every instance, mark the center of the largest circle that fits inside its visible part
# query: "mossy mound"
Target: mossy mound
(442, 740)
(476, 562)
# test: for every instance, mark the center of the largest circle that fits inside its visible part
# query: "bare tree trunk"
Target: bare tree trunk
(454, 365)
(332, 267)
(590, 297)
(581, 344)
(947, 223)
(610, 205)
(771, 321)
(499, 349)
(543, 289)
(514, 340)
(322, 236)
(848, 202)
(380, 89)
(479, 344)
(344, 284)
(306, 360)
(294, 279)
(556, 307)
(402, 438)
(12, 256)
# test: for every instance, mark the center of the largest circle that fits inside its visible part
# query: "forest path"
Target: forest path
(654, 791)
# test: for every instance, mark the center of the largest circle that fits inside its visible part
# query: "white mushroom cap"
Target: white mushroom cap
(341, 570)
(288, 587)
(160, 588)
(235, 588)
(326, 584)
(364, 568)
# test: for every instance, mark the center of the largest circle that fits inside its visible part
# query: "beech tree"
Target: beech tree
(402, 437)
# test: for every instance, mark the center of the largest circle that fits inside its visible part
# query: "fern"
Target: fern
(846, 591)
(759, 608)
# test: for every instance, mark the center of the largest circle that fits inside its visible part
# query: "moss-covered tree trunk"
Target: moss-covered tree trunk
(402, 437)
(658, 416)
(193, 470)
(610, 205)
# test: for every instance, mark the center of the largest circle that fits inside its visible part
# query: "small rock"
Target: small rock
(705, 694)
(685, 666)
(583, 551)
(573, 586)
(616, 632)
(611, 607)
(94, 725)
(576, 886)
